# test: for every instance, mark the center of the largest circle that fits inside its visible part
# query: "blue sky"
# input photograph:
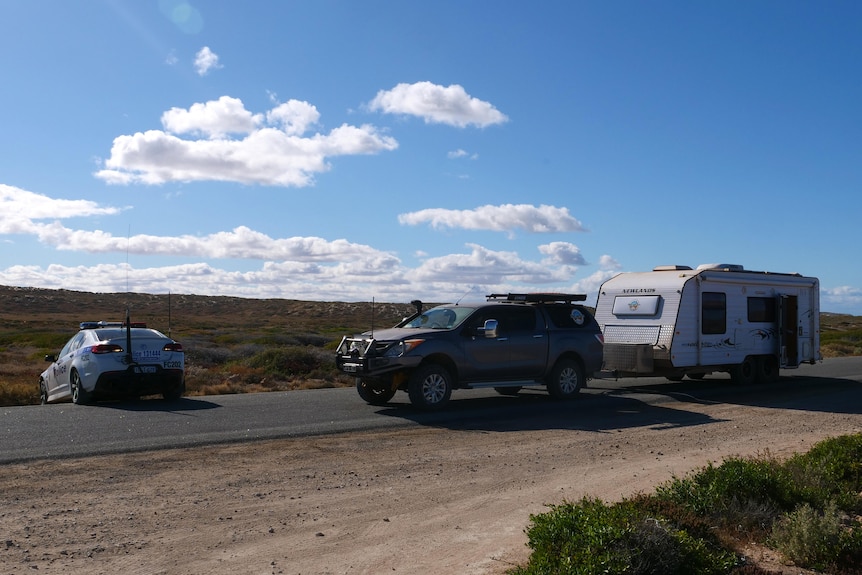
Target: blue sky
(350, 150)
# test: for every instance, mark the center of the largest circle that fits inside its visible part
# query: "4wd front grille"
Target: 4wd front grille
(360, 347)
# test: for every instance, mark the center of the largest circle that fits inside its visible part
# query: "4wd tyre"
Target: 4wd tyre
(43, 392)
(375, 394)
(566, 380)
(80, 395)
(745, 373)
(429, 387)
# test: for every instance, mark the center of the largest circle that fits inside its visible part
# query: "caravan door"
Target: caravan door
(787, 331)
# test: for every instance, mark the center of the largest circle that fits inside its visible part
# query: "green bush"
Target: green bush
(807, 508)
(591, 537)
(741, 493)
(287, 362)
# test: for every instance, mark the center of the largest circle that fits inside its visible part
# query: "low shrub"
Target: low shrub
(806, 508)
(592, 537)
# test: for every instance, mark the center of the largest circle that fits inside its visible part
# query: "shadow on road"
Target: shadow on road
(535, 411)
(161, 405)
(608, 406)
(826, 394)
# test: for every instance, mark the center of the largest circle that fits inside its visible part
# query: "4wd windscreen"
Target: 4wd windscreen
(442, 317)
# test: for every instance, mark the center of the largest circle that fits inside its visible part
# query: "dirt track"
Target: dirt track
(420, 501)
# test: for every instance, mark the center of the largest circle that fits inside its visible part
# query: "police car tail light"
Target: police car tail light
(173, 347)
(106, 348)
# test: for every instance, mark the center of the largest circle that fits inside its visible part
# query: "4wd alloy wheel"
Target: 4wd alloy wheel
(429, 387)
(566, 379)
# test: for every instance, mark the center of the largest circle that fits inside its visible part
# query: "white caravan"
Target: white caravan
(675, 321)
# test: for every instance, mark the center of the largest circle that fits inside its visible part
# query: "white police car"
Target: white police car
(114, 359)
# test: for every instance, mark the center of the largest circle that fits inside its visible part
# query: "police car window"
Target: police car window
(72, 344)
(78, 341)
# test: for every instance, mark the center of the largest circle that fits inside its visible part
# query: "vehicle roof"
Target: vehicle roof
(537, 298)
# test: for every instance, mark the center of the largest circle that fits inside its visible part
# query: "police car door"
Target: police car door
(59, 379)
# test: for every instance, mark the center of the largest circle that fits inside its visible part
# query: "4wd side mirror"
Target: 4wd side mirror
(51, 358)
(490, 328)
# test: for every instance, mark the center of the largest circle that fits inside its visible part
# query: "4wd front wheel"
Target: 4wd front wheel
(375, 394)
(429, 387)
(566, 380)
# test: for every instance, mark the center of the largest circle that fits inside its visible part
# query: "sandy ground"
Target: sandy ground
(419, 501)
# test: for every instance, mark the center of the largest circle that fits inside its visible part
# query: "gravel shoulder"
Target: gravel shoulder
(426, 500)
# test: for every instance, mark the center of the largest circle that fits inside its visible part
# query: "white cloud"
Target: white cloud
(272, 151)
(457, 154)
(18, 209)
(563, 253)
(606, 262)
(506, 218)
(310, 268)
(206, 60)
(214, 119)
(486, 267)
(435, 104)
(840, 298)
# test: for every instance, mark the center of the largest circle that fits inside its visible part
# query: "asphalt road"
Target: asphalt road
(67, 430)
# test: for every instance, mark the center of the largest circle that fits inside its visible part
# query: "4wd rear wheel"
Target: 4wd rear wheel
(375, 394)
(429, 387)
(80, 395)
(566, 380)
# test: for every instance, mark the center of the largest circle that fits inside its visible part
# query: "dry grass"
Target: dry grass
(233, 345)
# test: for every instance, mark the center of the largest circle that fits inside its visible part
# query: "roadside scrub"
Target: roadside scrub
(807, 508)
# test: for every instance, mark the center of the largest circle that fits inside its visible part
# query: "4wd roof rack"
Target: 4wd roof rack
(537, 297)
(98, 324)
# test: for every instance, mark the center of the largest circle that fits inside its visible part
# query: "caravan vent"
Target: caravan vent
(725, 267)
(670, 268)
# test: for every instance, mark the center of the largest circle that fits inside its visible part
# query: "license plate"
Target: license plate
(350, 368)
(145, 369)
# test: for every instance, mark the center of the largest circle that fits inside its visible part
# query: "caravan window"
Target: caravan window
(761, 310)
(714, 313)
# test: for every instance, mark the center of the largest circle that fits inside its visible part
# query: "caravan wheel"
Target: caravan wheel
(745, 373)
(767, 369)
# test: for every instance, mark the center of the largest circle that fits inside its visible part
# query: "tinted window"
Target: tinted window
(761, 309)
(714, 313)
(510, 318)
(567, 317)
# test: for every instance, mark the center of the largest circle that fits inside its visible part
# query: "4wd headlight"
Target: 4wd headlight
(403, 347)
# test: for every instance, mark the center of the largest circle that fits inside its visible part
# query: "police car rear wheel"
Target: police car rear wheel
(80, 396)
